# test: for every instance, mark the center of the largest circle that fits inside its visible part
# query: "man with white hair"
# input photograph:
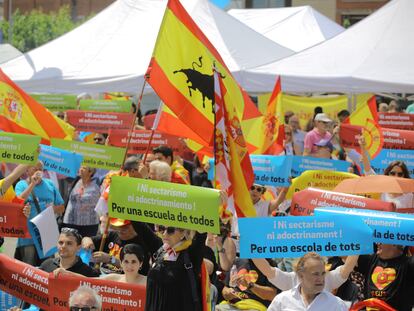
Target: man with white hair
(310, 293)
(159, 170)
(85, 298)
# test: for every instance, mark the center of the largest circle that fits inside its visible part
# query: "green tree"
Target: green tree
(37, 28)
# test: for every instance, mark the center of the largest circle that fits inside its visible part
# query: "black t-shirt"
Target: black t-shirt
(250, 268)
(51, 264)
(391, 280)
(145, 238)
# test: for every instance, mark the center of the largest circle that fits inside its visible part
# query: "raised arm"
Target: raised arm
(349, 266)
(264, 266)
(366, 159)
(281, 279)
(12, 177)
(274, 204)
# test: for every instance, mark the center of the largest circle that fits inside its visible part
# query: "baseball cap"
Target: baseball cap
(117, 222)
(322, 117)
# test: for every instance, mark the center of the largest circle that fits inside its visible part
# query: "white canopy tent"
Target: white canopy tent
(374, 55)
(296, 28)
(111, 52)
(8, 52)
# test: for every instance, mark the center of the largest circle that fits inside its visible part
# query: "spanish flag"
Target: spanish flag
(181, 74)
(233, 167)
(19, 113)
(366, 116)
(272, 130)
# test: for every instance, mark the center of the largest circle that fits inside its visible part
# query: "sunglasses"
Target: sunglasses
(257, 188)
(72, 232)
(288, 133)
(168, 230)
(82, 308)
(98, 139)
(399, 174)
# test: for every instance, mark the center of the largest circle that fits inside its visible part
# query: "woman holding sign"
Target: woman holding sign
(173, 282)
(404, 202)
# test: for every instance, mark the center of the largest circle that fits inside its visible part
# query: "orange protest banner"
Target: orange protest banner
(115, 295)
(141, 138)
(99, 122)
(13, 223)
(304, 202)
(24, 281)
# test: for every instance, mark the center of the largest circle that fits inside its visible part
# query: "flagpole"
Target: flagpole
(214, 128)
(129, 135)
(154, 126)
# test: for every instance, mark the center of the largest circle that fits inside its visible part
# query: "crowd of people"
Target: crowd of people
(173, 263)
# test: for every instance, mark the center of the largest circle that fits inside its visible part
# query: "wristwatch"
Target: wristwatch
(223, 250)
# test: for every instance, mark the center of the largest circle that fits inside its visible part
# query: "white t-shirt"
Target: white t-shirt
(262, 208)
(288, 280)
(292, 300)
(405, 200)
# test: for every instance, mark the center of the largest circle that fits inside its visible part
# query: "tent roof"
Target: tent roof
(8, 52)
(296, 28)
(374, 55)
(111, 51)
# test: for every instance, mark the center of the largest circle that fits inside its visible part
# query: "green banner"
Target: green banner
(56, 102)
(19, 148)
(98, 156)
(164, 203)
(103, 105)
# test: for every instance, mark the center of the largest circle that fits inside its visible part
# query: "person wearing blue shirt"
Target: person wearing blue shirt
(45, 194)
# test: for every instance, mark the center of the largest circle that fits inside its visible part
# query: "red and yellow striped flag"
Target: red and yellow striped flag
(366, 116)
(19, 113)
(233, 167)
(272, 129)
(181, 73)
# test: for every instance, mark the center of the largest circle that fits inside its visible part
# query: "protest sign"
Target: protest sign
(326, 180)
(393, 138)
(141, 138)
(7, 301)
(386, 156)
(271, 170)
(60, 161)
(18, 148)
(388, 228)
(105, 105)
(24, 281)
(304, 202)
(402, 121)
(56, 102)
(99, 122)
(268, 170)
(294, 236)
(98, 156)
(13, 223)
(164, 203)
(45, 232)
(115, 295)
(301, 164)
